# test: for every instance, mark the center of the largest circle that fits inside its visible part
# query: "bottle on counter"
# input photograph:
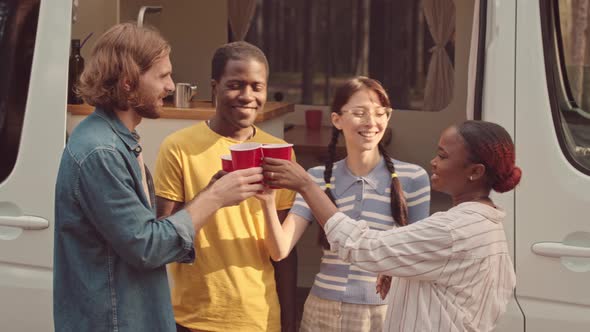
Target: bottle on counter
(75, 70)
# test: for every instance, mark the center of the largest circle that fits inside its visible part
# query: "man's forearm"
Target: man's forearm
(202, 207)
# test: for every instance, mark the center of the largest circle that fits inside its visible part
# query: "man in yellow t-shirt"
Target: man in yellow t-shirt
(231, 285)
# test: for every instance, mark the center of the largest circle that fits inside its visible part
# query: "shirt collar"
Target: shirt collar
(378, 178)
(130, 138)
(496, 215)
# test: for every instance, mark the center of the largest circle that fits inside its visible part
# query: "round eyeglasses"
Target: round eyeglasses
(380, 114)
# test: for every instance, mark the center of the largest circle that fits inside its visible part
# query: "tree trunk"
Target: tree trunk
(354, 27)
(328, 52)
(362, 46)
(420, 63)
(388, 62)
(267, 27)
(578, 47)
(308, 30)
(279, 41)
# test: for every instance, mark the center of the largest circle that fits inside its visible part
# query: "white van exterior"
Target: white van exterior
(548, 215)
(27, 193)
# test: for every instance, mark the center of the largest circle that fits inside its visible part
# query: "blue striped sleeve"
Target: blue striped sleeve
(418, 196)
(300, 207)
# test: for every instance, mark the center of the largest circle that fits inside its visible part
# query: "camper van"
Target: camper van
(524, 64)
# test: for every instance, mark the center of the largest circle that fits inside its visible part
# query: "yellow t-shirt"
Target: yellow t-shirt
(231, 285)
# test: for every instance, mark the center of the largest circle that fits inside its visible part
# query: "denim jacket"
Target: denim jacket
(110, 250)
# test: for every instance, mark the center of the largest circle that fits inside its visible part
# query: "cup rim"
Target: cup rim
(226, 157)
(277, 146)
(245, 146)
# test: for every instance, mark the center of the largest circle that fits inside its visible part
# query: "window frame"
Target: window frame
(481, 59)
(27, 28)
(558, 87)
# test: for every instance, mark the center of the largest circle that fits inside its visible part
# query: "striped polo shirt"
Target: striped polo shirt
(367, 198)
(454, 269)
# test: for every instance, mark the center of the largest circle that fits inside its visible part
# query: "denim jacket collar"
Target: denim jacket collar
(129, 138)
(374, 179)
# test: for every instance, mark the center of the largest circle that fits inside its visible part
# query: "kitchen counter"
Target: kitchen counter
(153, 131)
(200, 110)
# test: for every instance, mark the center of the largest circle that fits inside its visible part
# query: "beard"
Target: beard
(146, 105)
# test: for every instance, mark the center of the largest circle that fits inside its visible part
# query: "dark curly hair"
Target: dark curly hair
(239, 50)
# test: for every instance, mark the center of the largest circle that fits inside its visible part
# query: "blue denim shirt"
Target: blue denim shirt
(110, 251)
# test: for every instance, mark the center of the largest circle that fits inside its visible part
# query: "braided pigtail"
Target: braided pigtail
(322, 240)
(399, 208)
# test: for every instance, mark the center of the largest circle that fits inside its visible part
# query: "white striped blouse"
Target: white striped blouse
(454, 267)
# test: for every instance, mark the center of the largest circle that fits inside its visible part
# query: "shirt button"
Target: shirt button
(359, 197)
(138, 149)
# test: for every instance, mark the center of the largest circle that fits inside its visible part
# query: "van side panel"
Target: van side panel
(552, 200)
(26, 252)
(498, 106)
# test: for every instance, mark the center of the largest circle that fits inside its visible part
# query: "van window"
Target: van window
(313, 46)
(18, 28)
(566, 41)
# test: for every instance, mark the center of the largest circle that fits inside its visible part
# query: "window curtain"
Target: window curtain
(240, 13)
(472, 67)
(579, 25)
(440, 18)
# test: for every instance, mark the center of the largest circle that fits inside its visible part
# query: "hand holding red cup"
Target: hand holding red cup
(247, 155)
(226, 163)
(278, 151)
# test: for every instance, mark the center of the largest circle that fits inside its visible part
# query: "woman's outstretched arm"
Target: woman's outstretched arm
(420, 250)
(280, 237)
(288, 174)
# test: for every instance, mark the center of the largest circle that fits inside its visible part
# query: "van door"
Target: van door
(498, 106)
(34, 39)
(553, 148)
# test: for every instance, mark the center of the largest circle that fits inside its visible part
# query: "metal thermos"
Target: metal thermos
(183, 94)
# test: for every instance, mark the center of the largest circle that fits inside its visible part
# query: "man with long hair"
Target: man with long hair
(110, 250)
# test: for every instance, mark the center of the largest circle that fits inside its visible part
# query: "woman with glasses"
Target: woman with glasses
(369, 185)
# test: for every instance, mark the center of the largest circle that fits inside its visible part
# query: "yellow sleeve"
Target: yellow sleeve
(284, 198)
(168, 178)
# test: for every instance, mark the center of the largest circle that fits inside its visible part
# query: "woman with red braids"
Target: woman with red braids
(454, 269)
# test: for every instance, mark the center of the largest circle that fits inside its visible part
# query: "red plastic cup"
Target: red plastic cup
(313, 119)
(246, 155)
(226, 163)
(279, 151)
